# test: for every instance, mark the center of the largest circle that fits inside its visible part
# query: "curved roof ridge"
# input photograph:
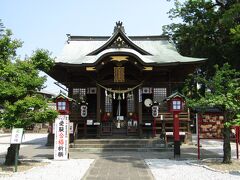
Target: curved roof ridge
(119, 32)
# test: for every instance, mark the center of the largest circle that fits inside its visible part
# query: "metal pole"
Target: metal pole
(16, 158)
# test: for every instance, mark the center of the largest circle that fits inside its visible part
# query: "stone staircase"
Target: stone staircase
(102, 145)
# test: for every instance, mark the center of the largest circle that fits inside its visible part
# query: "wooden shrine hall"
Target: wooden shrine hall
(114, 81)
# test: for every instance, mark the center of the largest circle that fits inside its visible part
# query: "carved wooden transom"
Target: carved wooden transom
(119, 43)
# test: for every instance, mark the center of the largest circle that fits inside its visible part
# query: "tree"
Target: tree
(209, 28)
(222, 90)
(19, 84)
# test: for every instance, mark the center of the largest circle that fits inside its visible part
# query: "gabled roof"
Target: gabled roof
(87, 50)
(176, 94)
(63, 96)
(119, 40)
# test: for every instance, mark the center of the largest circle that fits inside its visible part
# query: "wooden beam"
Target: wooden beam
(119, 58)
(90, 69)
(147, 68)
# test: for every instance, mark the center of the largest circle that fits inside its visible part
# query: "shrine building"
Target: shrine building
(114, 81)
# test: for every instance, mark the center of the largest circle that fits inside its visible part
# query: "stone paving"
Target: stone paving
(129, 165)
(119, 168)
(111, 165)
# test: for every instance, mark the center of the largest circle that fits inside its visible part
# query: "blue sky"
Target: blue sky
(45, 23)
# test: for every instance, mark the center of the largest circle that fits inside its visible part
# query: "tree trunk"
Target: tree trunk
(226, 145)
(10, 157)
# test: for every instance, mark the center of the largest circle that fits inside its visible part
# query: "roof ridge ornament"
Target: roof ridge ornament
(119, 27)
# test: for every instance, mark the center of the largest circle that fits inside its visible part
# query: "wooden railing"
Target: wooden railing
(167, 119)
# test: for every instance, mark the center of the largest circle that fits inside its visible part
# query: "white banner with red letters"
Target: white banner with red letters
(61, 137)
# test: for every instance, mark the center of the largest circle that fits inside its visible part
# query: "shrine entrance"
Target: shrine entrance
(119, 107)
(114, 81)
(119, 116)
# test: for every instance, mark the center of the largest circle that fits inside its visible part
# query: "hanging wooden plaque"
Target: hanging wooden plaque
(119, 74)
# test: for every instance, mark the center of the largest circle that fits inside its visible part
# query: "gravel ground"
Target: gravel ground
(215, 146)
(165, 169)
(28, 139)
(60, 170)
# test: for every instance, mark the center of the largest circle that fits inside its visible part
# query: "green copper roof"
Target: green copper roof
(150, 49)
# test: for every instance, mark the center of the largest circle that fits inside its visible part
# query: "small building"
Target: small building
(117, 79)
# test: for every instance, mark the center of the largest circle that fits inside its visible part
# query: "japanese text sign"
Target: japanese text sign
(61, 137)
(17, 134)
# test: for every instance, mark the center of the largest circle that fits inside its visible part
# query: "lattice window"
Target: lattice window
(177, 105)
(159, 94)
(130, 104)
(119, 74)
(61, 105)
(79, 93)
(82, 91)
(108, 104)
(75, 91)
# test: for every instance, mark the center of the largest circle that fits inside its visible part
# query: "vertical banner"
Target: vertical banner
(61, 137)
(71, 128)
(140, 95)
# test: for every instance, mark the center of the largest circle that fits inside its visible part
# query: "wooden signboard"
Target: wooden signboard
(17, 134)
(211, 126)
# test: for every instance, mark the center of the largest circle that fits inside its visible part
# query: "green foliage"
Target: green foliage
(237, 120)
(8, 45)
(42, 60)
(222, 90)
(19, 79)
(19, 83)
(235, 34)
(209, 29)
(26, 111)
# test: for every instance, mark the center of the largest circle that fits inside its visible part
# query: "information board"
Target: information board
(211, 126)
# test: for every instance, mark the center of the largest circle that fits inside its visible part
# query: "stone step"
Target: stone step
(117, 145)
(125, 144)
(99, 150)
(118, 141)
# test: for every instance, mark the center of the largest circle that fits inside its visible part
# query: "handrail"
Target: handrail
(75, 131)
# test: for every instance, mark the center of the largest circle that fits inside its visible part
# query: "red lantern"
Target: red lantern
(62, 104)
(176, 105)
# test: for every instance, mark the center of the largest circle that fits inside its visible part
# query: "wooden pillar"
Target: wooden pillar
(70, 94)
(140, 110)
(98, 109)
(176, 134)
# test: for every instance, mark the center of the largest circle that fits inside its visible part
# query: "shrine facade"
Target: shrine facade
(116, 80)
